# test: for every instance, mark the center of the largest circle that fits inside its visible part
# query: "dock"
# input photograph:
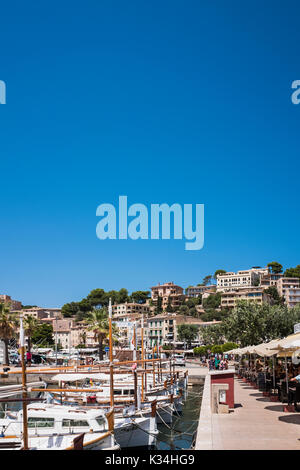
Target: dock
(255, 423)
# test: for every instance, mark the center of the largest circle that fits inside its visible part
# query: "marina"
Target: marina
(142, 403)
(155, 405)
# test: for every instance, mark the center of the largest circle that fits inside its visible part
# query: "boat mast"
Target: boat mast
(153, 371)
(134, 366)
(24, 389)
(111, 366)
(143, 364)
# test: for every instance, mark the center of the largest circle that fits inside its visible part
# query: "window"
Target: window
(78, 423)
(101, 421)
(40, 422)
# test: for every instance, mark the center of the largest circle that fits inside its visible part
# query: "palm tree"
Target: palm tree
(30, 324)
(98, 322)
(7, 328)
(83, 338)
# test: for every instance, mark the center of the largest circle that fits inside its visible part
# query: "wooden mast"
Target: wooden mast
(153, 367)
(143, 364)
(111, 365)
(134, 367)
(24, 389)
(160, 366)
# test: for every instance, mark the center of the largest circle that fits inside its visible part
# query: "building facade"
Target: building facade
(40, 313)
(241, 279)
(292, 296)
(195, 291)
(229, 298)
(162, 329)
(12, 304)
(62, 332)
(170, 293)
(125, 323)
(286, 283)
(130, 308)
(269, 280)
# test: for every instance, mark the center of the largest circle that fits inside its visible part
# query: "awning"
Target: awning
(77, 377)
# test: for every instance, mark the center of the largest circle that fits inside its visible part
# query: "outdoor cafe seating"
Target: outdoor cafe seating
(267, 367)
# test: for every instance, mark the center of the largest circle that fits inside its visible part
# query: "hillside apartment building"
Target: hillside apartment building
(170, 293)
(195, 291)
(251, 285)
(12, 304)
(162, 329)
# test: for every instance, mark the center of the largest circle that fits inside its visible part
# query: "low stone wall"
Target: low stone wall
(11, 379)
(204, 440)
(196, 379)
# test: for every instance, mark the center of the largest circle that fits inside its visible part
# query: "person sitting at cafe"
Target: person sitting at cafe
(279, 372)
(296, 379)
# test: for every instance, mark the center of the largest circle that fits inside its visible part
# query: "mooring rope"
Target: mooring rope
(167, 411)
(176, 409)
(160, 440)
(163, 420)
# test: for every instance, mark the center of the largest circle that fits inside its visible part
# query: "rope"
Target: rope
(194, 393)
(163, 420)
(184, 432)
(177, 430)
(154, 435)
(176, 409)
(167, 411)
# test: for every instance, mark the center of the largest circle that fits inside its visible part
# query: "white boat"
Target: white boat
(133, 431)
(52, 427)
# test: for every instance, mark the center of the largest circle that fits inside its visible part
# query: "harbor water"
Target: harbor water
(179, 434)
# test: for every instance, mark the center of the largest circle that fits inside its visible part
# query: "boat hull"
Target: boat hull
(136, 432)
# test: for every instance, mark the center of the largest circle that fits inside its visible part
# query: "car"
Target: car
(179, 360)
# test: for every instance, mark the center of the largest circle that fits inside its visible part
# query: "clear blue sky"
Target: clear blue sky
(163, 101)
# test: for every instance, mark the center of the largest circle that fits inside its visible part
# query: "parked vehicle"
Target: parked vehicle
(179, 360)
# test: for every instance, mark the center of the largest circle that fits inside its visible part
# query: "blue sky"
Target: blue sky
(172, 101)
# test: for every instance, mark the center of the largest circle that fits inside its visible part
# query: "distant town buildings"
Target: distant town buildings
(289, 289)
(62, 332)
(40, 313)
(70, 334)
(195, 291)
(12, 304)
(286, 283)
(269, 280)
(241, 279)
(230, 297)
(292, 296)
(251, 284)
(170, 293)
(161, 329)
(130, 308)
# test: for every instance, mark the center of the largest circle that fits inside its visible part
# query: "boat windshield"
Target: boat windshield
(101, 422)
(40, 422)
(78, 423)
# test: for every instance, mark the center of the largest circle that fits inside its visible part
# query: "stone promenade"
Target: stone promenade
(256, 423)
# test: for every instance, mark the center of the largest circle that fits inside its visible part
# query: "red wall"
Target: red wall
(225, 379)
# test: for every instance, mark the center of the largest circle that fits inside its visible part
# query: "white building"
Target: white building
(292, 296)
(241, 279)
